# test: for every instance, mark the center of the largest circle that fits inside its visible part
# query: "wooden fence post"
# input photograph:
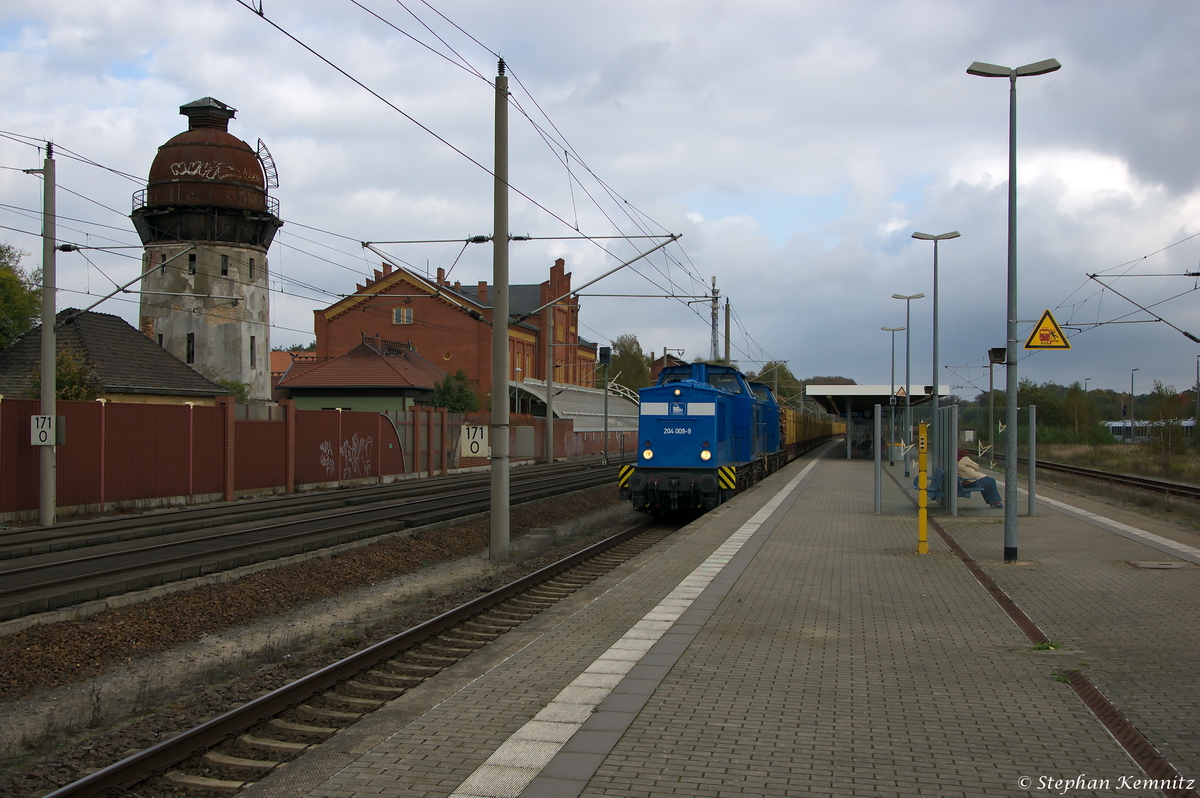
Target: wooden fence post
(229, 405)
(289, 436)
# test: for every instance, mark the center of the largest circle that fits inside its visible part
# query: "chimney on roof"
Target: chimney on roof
(457, 286)
(207, 112)
(483, 295)
(441, 276)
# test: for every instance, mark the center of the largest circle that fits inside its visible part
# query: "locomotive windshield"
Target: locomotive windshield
(726, 382)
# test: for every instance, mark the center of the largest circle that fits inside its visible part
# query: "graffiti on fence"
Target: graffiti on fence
(327, 458)
(356, 457)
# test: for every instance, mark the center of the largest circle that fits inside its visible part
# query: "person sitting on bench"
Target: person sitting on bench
(970, 474)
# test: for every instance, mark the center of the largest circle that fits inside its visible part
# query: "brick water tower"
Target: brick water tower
(206, 222)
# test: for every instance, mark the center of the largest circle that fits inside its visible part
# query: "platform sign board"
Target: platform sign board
(1047, 335)
(41, 431)
(474, 441)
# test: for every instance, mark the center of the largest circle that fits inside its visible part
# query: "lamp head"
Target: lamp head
(989, 70)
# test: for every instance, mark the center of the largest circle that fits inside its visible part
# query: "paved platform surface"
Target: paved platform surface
(792, 643)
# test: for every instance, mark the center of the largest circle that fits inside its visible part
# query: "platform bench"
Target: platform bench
(935, 490)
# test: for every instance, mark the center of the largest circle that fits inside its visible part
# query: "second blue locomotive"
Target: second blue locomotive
(705, 432)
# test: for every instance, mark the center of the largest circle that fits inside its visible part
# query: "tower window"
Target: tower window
(224, 265)
(160, 335)
(162, 263)
(253, 358)
(252, 268)
(402, 316)
(192, 263)
(191, 347)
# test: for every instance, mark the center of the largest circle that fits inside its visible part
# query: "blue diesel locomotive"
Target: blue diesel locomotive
(705, 433)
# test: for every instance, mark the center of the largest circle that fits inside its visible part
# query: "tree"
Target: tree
(20, 296)
(311, 347)
(455, 394)
(75, 378)
(1165, 408)
(630, 365)
(776, 374)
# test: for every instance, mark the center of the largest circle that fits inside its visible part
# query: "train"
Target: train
(706, 433)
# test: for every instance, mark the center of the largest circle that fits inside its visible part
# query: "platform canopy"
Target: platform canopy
(584, 406)
(861, 399)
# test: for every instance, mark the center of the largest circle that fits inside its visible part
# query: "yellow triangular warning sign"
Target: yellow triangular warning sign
(1047, 335)
(900, 392)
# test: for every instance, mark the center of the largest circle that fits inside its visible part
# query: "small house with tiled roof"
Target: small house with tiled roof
(130, 367)
(449, 324)
(377, 375)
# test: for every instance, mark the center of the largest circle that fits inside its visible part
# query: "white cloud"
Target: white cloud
(795, 145)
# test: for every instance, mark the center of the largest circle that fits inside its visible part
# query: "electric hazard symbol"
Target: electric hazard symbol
(1047, 335)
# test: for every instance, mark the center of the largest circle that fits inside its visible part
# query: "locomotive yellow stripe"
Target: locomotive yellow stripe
(727, 476)
(623, 475)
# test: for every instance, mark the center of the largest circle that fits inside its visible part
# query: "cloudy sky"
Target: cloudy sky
(796, 146)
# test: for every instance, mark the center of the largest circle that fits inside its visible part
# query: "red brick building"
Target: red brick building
(447, 323)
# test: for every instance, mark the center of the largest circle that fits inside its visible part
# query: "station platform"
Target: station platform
(792, 643)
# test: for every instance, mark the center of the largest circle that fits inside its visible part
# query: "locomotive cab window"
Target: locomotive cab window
(726, 382)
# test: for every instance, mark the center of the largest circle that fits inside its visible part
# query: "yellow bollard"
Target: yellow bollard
(922, 490)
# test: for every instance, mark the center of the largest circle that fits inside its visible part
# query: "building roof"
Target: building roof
(863, 398)
(125, 360)
(522, 299)
(371, 364)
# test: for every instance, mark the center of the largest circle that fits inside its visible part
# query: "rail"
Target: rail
(156, 759)
(1165, 487)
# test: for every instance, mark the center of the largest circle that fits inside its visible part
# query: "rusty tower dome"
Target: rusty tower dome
(206, 221)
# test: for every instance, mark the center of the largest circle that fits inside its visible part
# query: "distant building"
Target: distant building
(206, 222)
(449, 324)
(376, 375)
(130, 368)
(666, 361)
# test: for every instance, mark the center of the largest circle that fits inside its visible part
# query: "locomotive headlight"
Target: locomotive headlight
(705, 455)
(677, 392)
(647, 454)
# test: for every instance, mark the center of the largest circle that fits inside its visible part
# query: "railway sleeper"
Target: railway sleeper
(301, 730)
(428, 658)
(394, 679)
(480, 625)
(468, 643)
(444, 649)
(239, 765)
(374, 690)
(404, 668)
(363, 705)
(554, 594)
(278, 747)
(526, 603)
(326, 715)
(515, 615)
(206, 783)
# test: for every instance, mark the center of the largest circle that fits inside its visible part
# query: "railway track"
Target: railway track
(241, 746)
(49, 568)
(1163, 487)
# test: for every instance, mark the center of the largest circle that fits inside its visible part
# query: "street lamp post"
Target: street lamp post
(1132, 417)
(935, 239)
(1011, 384)
(907, 438)
(892, 396)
